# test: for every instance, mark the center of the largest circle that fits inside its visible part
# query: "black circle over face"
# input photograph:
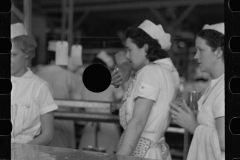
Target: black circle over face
(96, 78)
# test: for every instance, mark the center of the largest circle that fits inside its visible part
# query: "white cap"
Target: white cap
(106, 58)
(52, 45)
(17, 29)
(156, 32)
(217, 27)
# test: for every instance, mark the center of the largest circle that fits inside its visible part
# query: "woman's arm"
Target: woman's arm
(135, 126)
(47, 130)
(184, 117)
(220, 126)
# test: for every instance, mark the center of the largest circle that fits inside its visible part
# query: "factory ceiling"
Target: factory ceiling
(103, 18)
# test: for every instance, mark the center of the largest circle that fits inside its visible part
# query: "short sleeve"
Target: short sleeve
(148, 84)
(45, 100)
(219, 104)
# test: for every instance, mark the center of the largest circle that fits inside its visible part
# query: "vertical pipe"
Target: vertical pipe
(27, 11)
(63, 19)
(70, 23)
(27, 21)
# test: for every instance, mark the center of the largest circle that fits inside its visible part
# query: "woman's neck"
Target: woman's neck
(21, 72)
(218, 70)
(146, 62)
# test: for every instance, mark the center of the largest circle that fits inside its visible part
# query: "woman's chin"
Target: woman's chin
(12, 73)
(201, 67)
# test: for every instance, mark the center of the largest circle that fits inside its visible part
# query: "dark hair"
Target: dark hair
(139, 37)
(50, 57)
(27, 44)
(98, 61)
(214, 39)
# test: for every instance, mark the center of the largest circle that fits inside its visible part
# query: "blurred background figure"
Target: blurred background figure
(64, 82)
(65, 85)
(198, 82)
(103, 56)
(104, 135)
(80, 69)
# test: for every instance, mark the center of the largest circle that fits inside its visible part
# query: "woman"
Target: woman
(144, 114)
(31, 100)
(211, 113)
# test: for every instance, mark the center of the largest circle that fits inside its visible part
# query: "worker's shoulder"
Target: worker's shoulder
(38, 81)
(149, 70)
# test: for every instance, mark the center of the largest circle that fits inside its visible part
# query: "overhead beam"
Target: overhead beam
(185, 14)
(84, 2)
(138, 5)
(80, 20)
(17, 12)
(159, 16)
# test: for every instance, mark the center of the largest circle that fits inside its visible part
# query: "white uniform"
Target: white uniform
(158, 82)
(30, 98)
(212, 104)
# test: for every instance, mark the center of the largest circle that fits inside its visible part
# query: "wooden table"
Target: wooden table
(37, 152)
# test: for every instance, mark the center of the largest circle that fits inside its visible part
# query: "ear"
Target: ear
(218, 53)
(26, 56)
(145, 47)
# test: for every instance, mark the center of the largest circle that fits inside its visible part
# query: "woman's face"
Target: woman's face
(137, 56)
(205, 56)
(18, 60)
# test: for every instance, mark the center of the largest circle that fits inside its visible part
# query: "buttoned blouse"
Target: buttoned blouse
(31, 97)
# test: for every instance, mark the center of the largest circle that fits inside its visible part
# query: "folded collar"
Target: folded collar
(166, 63)
(28, 74)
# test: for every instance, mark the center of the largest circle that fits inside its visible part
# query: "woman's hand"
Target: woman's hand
(121, 74)
(184, 117)
(117, 78)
